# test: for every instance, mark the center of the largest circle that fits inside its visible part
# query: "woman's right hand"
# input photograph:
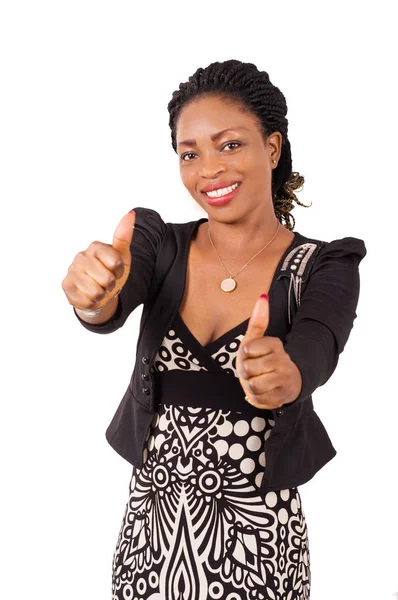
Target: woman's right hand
(98, 273)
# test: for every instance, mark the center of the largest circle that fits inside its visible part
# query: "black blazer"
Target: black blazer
(313, 298)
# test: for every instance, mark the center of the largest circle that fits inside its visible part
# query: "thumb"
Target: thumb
(124, 234)
(259, 320)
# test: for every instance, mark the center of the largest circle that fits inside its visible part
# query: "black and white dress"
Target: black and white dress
(195, 526)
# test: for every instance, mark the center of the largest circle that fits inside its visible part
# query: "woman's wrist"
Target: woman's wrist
(101, 315)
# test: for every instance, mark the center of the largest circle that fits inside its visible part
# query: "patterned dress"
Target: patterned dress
(195, 525)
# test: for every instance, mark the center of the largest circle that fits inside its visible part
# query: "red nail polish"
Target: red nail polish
(264, 296)
(132, 210)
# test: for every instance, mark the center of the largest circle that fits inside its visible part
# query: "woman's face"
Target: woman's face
(237, 155)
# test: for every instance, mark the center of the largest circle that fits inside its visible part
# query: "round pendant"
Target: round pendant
(228, 285)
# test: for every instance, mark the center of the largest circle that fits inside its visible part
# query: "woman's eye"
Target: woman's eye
(183, 157)
(232, 144)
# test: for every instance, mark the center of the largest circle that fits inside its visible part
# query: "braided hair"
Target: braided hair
(253, 91)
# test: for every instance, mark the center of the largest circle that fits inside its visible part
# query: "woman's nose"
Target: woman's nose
(210, 167)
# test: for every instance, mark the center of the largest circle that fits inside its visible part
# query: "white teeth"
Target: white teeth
(222, 191)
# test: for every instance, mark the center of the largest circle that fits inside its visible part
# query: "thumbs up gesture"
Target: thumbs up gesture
(267, 374)
(98, 273)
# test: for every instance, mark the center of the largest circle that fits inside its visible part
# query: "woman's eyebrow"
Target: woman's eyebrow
(214, 137)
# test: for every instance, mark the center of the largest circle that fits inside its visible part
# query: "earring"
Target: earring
(273, 160)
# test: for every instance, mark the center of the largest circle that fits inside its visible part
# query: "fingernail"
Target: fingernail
(264, 296)
(132, 210)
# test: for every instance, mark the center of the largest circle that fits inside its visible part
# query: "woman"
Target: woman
(224, 430)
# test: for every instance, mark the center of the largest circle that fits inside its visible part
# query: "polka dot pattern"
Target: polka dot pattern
(226, 356)
(173, 354)
(200, 462)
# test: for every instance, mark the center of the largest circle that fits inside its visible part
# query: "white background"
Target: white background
(84, 138)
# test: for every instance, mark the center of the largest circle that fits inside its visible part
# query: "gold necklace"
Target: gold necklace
(229, 284)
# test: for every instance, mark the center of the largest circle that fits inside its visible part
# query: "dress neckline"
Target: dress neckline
(215, 344)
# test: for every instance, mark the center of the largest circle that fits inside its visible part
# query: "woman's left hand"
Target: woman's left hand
(267, 374)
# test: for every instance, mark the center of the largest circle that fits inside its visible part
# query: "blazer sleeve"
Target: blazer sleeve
(326, 314)
(149, 232)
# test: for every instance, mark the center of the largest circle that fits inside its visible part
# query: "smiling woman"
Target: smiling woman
(258, 119)
(218, 420)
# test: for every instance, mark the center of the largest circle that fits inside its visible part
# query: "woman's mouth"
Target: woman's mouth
(223, 195)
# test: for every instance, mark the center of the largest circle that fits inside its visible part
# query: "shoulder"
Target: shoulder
(148, 217)
(152, 228)
(309, 256)
(167, 240)
(339, 247)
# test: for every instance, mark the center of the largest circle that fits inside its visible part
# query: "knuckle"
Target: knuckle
(111, 283)
(78, 259)
(93, 247)
(244, 370)
(247, 370)
(118, 263)
(72, 302)
(99, 295)
(253, 387)
(66, 291)
(72, 269)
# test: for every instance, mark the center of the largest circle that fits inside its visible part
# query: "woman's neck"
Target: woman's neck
(237, 240)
